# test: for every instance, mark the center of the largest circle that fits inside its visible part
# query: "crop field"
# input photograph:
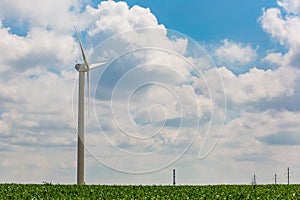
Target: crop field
(49, 191)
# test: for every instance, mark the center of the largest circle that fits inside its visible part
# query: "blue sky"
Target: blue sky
(210, 88)
(211, 21)
(204, 20)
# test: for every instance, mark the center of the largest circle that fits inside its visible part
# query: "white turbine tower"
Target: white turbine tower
(82, 69)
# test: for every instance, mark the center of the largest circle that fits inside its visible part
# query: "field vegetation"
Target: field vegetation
(50, 191)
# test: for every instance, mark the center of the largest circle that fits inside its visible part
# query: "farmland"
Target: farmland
(49, 191)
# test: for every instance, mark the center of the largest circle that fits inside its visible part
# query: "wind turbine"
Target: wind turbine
(82, 69)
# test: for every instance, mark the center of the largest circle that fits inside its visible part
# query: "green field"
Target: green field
(49, 191)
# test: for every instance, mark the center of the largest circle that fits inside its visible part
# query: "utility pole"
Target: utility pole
(288, 175)
(254, 180)
(174, 182)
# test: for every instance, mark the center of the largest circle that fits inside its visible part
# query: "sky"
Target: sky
(209, 88)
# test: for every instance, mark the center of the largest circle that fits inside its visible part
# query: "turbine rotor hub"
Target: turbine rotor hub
(81, 68)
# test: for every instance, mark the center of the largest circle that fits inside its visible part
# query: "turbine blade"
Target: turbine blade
(81, 48)
(96, 65)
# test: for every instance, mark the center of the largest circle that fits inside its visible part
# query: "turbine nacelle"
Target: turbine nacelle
(81, 68)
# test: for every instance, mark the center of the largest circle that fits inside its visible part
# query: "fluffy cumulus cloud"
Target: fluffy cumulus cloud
(259, 84)
(115, 18)
(37, 92)
(39, 47)
(261, 136)
(262, 108)
(283, 24)
(45, 14)
(159, 96)
(235, 53)
(146, 61)
(36, 87)
(291, 6)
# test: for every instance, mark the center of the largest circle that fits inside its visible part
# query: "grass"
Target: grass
(49, 191)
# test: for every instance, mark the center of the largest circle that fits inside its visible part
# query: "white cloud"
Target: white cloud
(39, 48)
(235, 53)
(284, 28)
(56, 14)
(112, 17)
(127, 29)
(4, 128)
(37, 109)
(36, 88)
(147, 55)
(15, 118)
(248, 134)
(274, 58)
(291, 6)
(37, 103)
(259, 84)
